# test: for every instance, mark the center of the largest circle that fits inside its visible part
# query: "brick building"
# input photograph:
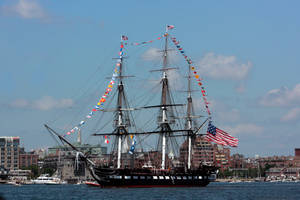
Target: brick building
(204, 152)
(27, 159)
(283, 172)
(297, 158)
(9, 152)
(221, 157)
(277, 161)
(238, 161)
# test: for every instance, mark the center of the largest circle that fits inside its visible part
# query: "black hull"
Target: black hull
(124, 178)
(149, 184)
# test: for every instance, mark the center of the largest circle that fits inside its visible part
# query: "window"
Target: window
(135, 177)
(127, 177)
(154, 177)
(142, 177)
(179, 177)
(161, 177)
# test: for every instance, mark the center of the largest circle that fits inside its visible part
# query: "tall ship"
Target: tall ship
(170, 163)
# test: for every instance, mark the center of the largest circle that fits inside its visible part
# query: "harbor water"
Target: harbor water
(214, 191)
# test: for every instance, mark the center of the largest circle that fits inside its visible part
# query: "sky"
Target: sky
(53, 52)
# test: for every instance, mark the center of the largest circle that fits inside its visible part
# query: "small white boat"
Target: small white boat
(48, 180)
(14, 183)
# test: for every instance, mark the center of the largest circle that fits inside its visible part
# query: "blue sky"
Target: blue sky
(52, 52)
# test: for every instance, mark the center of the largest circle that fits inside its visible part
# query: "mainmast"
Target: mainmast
(164, 123)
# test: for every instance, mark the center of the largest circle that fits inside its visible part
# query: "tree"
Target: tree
(225, 174)
(34, 170)
(47, 170)
(266, 168)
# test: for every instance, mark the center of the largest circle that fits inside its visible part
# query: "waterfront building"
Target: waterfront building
(85, 148)
(283, 172)
(238, 161)
(27, 159)
(19, 174)
(205, 152)
(297, 152)
(202, 152)
(58, 153)
(41, 152)
(62, 159)
(282, 167)
(297, 158)
(221, 157)
(9, 152)
(73, 171)
(277, 161)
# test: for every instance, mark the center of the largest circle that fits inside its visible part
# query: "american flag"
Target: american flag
(220, 137)
(124, 37)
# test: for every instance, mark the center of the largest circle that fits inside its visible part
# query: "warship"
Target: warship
(160, 167)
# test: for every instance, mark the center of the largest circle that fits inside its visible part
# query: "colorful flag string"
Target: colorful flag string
(195, 74)
(108, 89)
(145, 42)
(168, 27)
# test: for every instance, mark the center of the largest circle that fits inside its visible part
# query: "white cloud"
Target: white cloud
(175, 80)
(291, 115)
(282, 97)
(26, 9)
(223, 67)
(20, 103)
(155, 54)
(152, 54)
(244, 129)
(44, 103)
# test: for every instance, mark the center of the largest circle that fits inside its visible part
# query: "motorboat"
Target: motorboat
(48, 180)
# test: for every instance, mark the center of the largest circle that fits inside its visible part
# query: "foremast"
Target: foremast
(120, 124)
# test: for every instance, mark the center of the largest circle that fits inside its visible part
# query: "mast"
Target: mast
(164, 123)
(120, 129)
(189, 119)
